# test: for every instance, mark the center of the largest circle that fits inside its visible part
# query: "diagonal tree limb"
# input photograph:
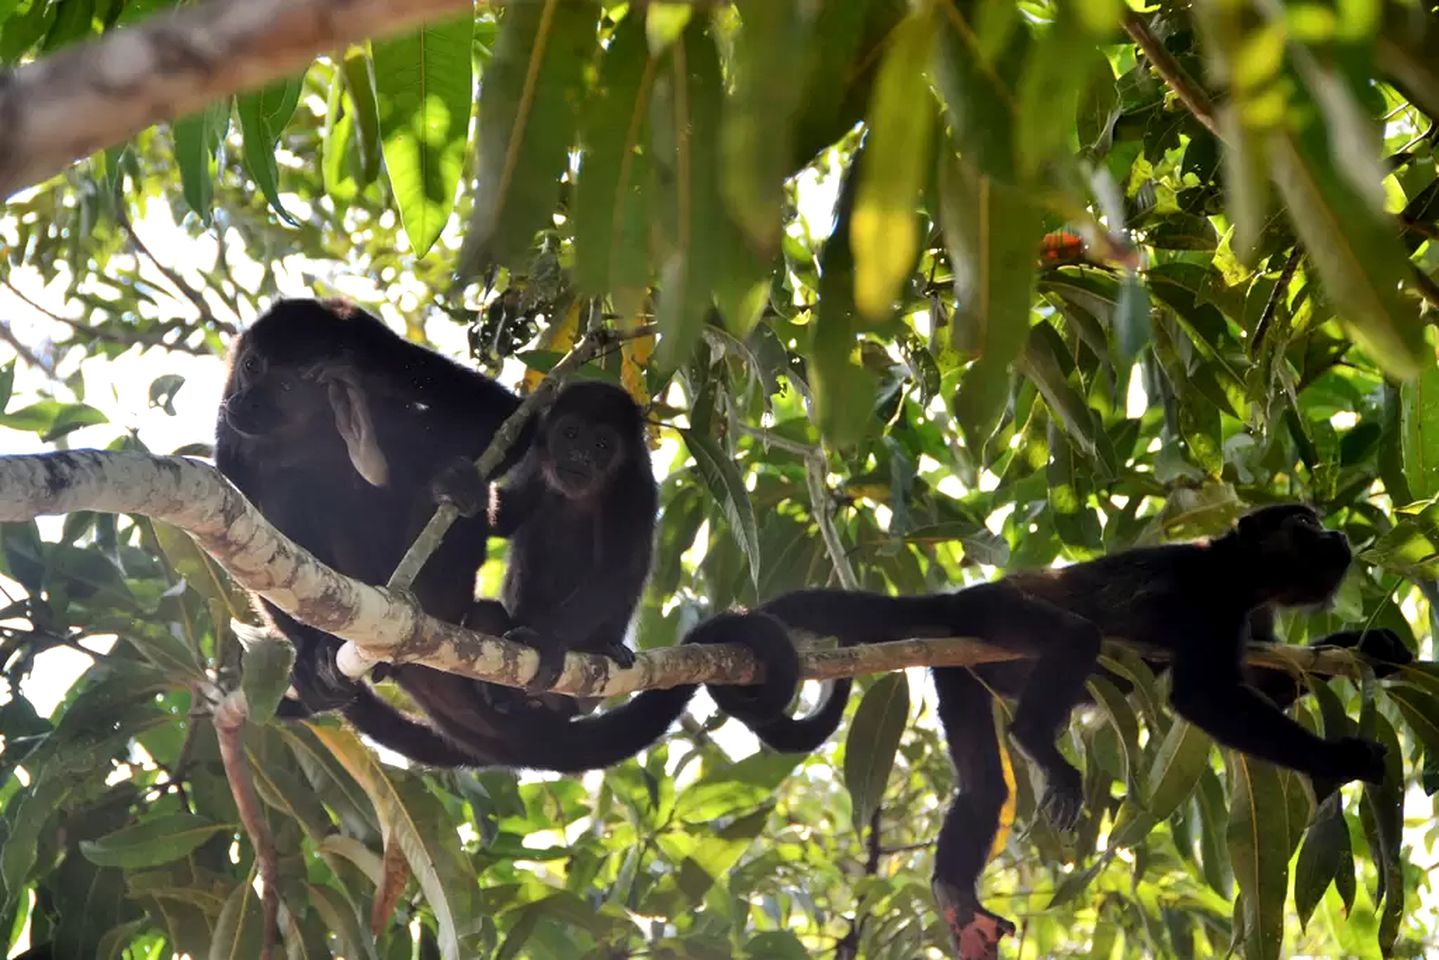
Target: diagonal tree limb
(192, 495)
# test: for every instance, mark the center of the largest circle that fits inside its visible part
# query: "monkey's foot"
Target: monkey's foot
(622, 655)
(974, 932)
(1063, 799)
(552, 657)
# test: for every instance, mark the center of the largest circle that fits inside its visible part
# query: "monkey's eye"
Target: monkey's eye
(251, 363)
(571, 433)
(601, 445)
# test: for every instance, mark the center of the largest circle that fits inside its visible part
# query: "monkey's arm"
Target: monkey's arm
(510, 506)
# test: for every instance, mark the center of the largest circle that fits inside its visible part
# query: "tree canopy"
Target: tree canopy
(942, 288)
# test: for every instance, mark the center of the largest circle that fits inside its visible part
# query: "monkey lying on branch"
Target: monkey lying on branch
(1200, 603)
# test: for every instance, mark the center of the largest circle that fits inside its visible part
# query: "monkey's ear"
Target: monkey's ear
(352, 419)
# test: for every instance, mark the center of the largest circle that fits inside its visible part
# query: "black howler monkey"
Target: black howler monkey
(337, 429)
(580, 514)
(1200, 602)
(342, 433)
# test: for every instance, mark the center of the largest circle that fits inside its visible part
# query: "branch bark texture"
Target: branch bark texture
(193, 496)
(94, 94)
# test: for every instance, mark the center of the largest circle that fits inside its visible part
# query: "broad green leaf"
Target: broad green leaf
(991, 232)
(770, 55)
(1356, 250)
(342, 920)
(1419, 432)
(197, 137)
(1324, 853)
(1040, 362)
(364, 111)
(1126, 725)
(1385, 803)
(840, 74)
(52, 419)
(240, 930)
(1181, 759)
(410, 818)
(1049, 88)
(7, 384)
(978, 91)
(263, 116)
(266, 676)
(151, 842)
(884, 231)
(337, 164)
(423, 87)
(1074, 520)
(685, 130)
(723, 480)
(528, 100)
(1258, 849)
(870, 747)
(613, 188)
(843, 390)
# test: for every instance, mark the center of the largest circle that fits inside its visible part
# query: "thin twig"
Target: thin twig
(823, 511)
(83, 329)
(207, 316)
(1190, 93)
(26, 354)
(590, 346)
(229, 720)
(1261, 329)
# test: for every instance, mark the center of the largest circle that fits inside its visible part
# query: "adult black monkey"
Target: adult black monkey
(336, 428)
(1200, 602)
(580, 514)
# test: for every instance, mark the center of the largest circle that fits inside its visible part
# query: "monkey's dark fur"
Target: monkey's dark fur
(1200, 602)
(580, 514)
(343, 434)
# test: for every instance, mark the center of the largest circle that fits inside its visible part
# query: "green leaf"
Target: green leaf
(263, 116)
(7, 384)
(1040, 362)
(843, 390)
(197, 138)
(240, 931)
(1259, 850)
(532, 87)
(978, 89)
(1126, 725)
(1182, 758)
(423, 84)
(685, 129)
(266, 676)
(342, 920)
(991, 232)
(364, 111)
(885, 229)
(756, 136)
(722, 479)
(1356, 250)
(151, 842)
(613, 188)
(1325, 850)
(1419, 432)
(412, 818)
(871, 745)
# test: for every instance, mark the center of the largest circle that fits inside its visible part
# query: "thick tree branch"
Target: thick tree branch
(194, 497)
(94, 94)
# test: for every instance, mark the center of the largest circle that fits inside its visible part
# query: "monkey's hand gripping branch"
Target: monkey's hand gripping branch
(387, 625)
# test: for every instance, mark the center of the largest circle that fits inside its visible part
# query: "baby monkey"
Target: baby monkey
(579, 512)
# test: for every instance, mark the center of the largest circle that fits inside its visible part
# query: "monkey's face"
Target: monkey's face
(1296, 560)
(579, 454)
(266, 399)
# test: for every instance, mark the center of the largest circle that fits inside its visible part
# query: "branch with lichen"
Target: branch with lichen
(387, 625)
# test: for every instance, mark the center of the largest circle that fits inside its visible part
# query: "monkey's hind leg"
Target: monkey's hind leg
(973, 818)
(1065, 647)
